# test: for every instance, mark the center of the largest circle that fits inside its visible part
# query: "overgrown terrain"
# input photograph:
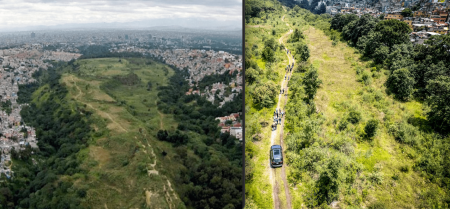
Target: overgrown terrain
(372, 134)
(111, 135)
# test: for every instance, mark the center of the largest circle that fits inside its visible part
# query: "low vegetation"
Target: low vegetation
(119, 132)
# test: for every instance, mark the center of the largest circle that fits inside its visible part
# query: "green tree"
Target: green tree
(380, 54)
(302, 52)
(296, 36)
(401, 83)
(251, 75)
(264, 94)
(438, 101)
(271, 43)
(268, 54)
(371, 128)
(311, 83)
(339, 21)
(296, 8)
(393, 32)
(358, 28)
(407, 12)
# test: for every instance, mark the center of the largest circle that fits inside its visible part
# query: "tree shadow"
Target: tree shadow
(421, 123)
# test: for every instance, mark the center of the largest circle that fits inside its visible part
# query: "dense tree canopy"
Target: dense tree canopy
(401, 83)
(339, 21)
(359, 27)
(407, 12)
(439, 115)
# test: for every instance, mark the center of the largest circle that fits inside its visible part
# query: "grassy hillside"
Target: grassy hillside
(354, 145)
(354, 93)
(110, 137)
(126, 165)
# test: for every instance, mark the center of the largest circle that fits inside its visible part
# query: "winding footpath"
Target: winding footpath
(275, 134)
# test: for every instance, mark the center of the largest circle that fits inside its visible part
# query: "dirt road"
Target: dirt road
(274, 135)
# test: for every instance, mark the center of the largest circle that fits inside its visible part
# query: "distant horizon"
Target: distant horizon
(119, 26)
(34, 15)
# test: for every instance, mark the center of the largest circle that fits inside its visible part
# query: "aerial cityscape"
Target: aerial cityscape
(110, 108)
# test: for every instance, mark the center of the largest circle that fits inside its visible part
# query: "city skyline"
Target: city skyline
(28, 15)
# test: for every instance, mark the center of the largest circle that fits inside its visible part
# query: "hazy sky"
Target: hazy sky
(26, 13)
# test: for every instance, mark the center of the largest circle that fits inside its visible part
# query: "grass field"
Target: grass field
(125, 162)
(342, 91)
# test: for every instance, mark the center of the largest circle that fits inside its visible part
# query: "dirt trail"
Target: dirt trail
(105, 113)
(161, 116)
(152, 170)
(275, 184)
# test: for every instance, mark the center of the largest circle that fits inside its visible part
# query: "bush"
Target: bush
(354, 116)
(404, 168)
(377, 205)
(342, 124)
(334, 43)
(365, 78)
(311, 83)
(405, 133)
(371, 128)
(376, 177)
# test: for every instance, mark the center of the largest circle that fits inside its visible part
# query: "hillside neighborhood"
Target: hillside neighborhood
(201, 63)
(17, 66)
(431, 18)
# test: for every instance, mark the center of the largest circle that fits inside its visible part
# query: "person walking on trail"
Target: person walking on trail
(279, 120)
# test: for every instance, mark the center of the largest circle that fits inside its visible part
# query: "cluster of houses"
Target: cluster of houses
(430, 20)
(231, 124)
(201, 63)
(17, 66)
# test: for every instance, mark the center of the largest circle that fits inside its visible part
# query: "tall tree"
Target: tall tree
(439, 115)
(401, 83)
(407, 12)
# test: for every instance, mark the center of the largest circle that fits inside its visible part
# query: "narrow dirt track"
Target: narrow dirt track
(275, 184)
(80, 93)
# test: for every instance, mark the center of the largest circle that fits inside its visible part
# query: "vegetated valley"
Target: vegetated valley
(366, 117)
(119, 132)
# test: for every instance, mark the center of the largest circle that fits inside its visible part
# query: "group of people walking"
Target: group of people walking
(277, 115)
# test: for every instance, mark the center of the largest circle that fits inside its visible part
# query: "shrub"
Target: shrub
(371, 128)
(365, 78)
(404, 168)
(405, 133)
(354, 116)
(311, 83)
(396, 177)
(342, 124)
(377, 205)
(376, 177)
